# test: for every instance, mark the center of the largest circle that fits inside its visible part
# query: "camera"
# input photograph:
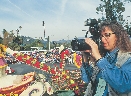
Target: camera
(91, 22)
(93, 29)
(80, 44)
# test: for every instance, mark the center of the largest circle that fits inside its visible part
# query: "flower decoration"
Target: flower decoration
(61, 79)
(77, 60)
(3, 47)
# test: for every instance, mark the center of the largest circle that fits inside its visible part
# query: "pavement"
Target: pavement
(21, 69)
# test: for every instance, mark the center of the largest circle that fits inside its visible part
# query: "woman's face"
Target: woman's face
(108, 39)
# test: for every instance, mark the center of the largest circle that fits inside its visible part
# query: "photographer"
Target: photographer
(108, 71)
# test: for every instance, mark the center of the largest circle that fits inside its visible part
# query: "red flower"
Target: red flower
(19, 58)
(29, 61)
(45, 68)
(53, 71)
(37, 64)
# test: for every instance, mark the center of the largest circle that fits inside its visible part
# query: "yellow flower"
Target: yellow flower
(49, 67)
(68, 77)
(63, 72)
(1, 55)
(72, 82)
(3, 47)
(75, 61)
(76, 87)
(41, 65)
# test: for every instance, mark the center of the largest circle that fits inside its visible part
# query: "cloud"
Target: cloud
(63, 5)
(20, 9)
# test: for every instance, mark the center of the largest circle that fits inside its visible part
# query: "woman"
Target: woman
(110, 72)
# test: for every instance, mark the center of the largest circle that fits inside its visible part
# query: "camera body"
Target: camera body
(80, 44)
(91, 22)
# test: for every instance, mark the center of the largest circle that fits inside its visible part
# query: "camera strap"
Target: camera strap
(92, 84)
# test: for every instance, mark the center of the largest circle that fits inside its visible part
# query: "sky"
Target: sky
(64, 19)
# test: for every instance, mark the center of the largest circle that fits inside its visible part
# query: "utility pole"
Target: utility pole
(48, 42)
(44, 29)
(48, 38)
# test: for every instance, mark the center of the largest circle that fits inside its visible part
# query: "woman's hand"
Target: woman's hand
(94, 52)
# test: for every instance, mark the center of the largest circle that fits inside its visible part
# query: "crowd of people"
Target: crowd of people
(52, 56)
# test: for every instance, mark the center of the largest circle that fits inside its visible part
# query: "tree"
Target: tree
(1, 40)
(113, 9)
(5, 37)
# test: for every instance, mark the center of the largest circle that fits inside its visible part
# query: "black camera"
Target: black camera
(93, 29)
(79, 45)
(91, 22)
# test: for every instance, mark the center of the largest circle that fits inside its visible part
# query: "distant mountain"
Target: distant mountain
(29, 40)
(63, 41)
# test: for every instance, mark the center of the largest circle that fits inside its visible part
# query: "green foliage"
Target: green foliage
(16, 43)
(113, 9)
(1, 40)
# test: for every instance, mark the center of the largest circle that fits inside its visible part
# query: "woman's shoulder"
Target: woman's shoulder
(122, 58)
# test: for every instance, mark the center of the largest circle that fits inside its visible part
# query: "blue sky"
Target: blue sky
(64, 19)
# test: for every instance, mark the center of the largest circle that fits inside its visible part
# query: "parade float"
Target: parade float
(66, 82)
(17, 83)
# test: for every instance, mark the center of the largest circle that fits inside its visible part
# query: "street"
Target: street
(21, 69)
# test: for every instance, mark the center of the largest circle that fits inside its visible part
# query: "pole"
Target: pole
(49, 42)
(44, 29)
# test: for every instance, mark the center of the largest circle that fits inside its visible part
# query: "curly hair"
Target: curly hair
(123, 39)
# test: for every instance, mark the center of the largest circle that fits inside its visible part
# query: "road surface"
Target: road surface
(21, 69)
